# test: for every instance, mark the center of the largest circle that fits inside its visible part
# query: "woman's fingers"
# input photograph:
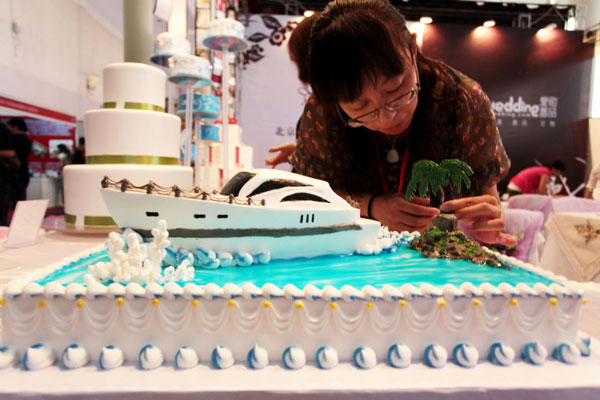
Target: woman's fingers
(465, 202)
(506, 240)
(479, 211)
(272, 162)
(393, 211)
(414, 208)
(278, 148)
(486, 225)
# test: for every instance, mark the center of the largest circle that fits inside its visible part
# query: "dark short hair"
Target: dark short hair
(353, 42)
(18, 123)
(559, 165)
(298, 46)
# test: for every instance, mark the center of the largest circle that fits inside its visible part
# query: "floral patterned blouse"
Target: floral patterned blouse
(453, 119)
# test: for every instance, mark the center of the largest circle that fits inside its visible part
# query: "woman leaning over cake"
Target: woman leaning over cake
(379, 106)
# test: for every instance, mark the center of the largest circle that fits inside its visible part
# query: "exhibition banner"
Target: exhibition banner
(272, 97)
(538, 83)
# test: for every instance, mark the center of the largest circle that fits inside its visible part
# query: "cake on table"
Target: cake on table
(205, 106)
(276, 268)
(188, 69)
(130, 137)
(167, 45)
(226, 33)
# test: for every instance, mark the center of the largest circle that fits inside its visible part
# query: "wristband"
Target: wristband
(370, 204)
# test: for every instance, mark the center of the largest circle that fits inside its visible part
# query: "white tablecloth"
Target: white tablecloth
(486, 381)
(569, 250)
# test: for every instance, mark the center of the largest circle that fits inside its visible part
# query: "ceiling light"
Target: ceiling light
(309, 13)
(545, 31)
(532, 6)
(480, 3)
(426, 20)
(489, 23)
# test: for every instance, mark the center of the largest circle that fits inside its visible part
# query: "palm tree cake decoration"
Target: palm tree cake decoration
(431, 177)
(441, 239)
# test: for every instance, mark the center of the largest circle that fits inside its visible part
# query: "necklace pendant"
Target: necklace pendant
(392, 156)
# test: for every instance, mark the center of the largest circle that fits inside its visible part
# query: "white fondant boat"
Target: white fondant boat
(286, 214)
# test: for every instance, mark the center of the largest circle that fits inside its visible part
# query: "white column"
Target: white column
(138, 30)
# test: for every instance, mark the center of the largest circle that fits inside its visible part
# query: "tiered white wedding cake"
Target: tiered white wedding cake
(130, 137)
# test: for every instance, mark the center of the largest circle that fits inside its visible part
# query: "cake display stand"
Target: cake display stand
(225, 44)
(190, 82)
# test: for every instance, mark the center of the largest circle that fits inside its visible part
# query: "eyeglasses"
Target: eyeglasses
(396, 104)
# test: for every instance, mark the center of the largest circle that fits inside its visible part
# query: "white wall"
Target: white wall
(61, 43)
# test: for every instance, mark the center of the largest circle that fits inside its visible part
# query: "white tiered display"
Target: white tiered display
(130, 138)
(189, 71)
(239, 158)
(225, 35)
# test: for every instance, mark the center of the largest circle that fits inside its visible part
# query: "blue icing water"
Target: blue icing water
(396, 269)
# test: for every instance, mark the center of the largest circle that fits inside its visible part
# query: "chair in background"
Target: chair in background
(526, 225)
(534, 202)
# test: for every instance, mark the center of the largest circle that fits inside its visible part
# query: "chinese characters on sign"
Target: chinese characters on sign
(280, 131)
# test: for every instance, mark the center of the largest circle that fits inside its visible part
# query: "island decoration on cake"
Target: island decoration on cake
(442, 239)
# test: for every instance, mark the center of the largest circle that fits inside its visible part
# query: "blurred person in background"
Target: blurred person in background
(7, 167)
(22, 147)
(79, 152)
(592, 183)
(64, 156)
(534, 180)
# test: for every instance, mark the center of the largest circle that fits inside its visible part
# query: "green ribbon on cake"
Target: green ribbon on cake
(130, 105)
(131, 159)
(90, 220)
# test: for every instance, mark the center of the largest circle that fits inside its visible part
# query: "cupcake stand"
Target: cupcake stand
(200, 78)
(225, 44)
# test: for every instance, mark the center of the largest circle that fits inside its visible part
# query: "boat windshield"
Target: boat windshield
(235, 184)
(273, 184)
(304, 197)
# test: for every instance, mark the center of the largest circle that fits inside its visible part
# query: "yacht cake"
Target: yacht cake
(257, 211)
(278, 269)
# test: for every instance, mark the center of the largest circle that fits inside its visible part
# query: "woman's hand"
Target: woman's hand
(483, 217)
(398, 215)
(285, 150)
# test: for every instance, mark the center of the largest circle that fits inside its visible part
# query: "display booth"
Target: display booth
(46, 129)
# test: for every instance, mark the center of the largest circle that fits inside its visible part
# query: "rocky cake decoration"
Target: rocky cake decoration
(442, 239)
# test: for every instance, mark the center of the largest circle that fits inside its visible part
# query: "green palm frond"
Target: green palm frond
(420, 176)
(428, 176)
(458, 171)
